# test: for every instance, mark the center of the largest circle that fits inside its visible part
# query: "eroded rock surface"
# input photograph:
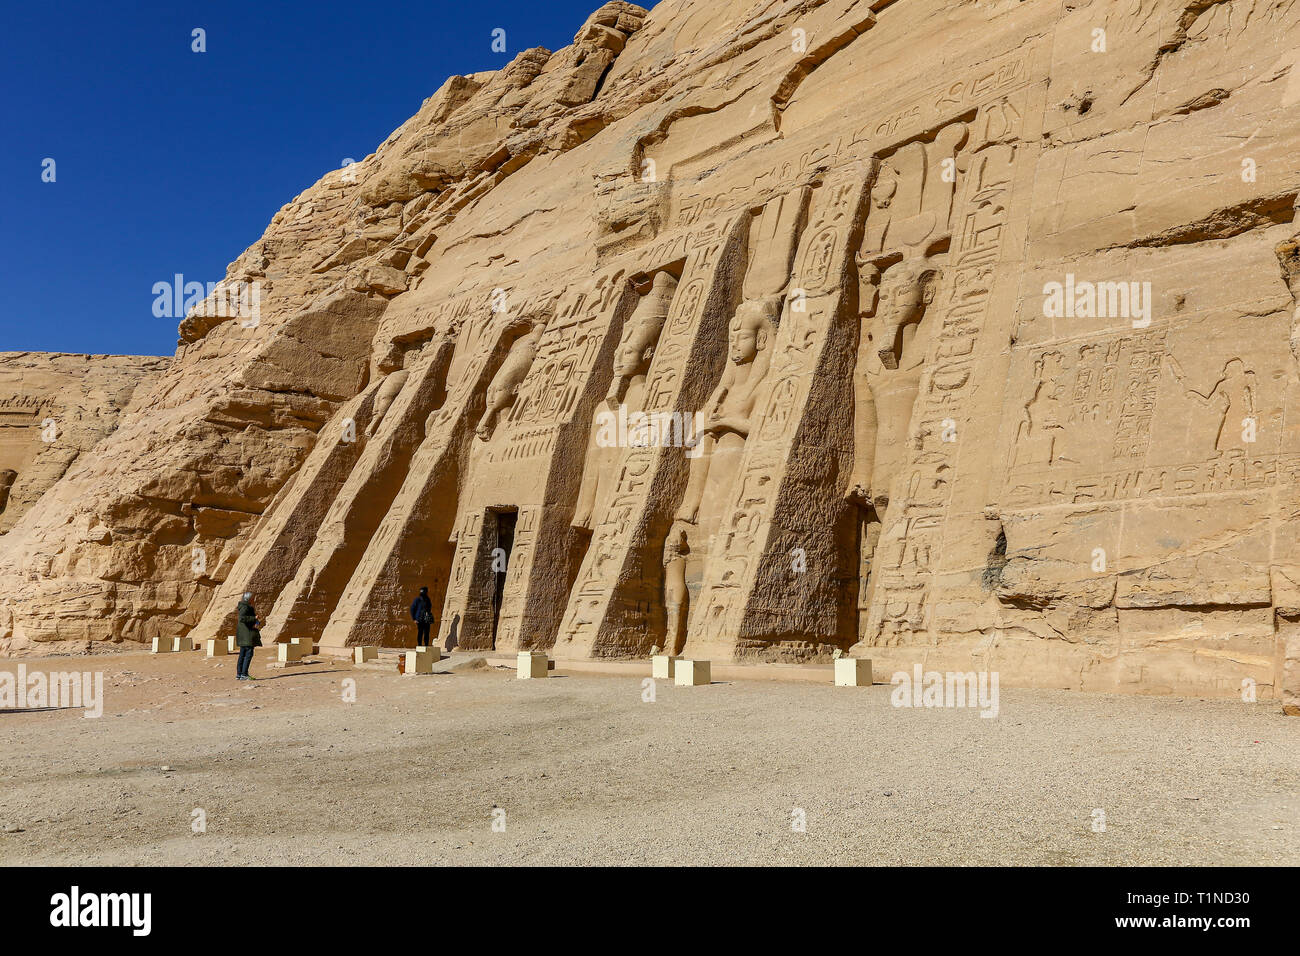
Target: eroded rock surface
(961, 333)
(55, 407)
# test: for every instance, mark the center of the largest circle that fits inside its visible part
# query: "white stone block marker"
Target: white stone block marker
(160, 645)
(852, 672)
(421, 661)
(232, 645)
(662, 666)
(288, 653)
(533, 664)
(180, 644)
(216, 647)
(366, 652)
(691, 673)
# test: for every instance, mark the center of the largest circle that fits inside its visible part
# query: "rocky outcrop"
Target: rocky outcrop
(757, 330)
(55, 407)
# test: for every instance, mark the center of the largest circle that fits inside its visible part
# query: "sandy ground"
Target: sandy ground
(286, 772)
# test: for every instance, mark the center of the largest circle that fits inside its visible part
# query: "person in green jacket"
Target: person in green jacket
(247, 635)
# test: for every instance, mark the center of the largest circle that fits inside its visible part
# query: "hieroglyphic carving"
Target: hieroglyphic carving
(630, 505)
(1043, 420)
(1094, 403)
(566, 354)
(774, 239)
(632, 360)
(806, 351)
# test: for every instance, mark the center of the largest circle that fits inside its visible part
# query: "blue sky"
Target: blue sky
(169, 161)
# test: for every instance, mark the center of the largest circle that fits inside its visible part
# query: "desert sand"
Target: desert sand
(589, 773)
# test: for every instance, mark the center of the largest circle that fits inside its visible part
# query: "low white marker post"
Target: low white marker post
(692, 673)
(662, 666)
(420, 661)
(852, 672)
(288, 653)
(532, 664)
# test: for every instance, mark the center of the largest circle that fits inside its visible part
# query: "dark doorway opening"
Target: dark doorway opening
(504, 522)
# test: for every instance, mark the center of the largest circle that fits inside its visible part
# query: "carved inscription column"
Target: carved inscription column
(772, 570)
(913, 537)
(369, 611)
(529, 465)
(617, 604)
(337, 541)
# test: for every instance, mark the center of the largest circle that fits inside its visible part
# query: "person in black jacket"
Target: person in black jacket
(247, 635)
(422, 615)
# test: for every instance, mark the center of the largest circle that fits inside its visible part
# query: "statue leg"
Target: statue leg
(699, 476)
(676, 596)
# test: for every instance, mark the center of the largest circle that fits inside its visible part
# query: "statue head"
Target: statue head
(752, 328)
(868, 285)
(641, 333)
(882, 193)
(906, 291)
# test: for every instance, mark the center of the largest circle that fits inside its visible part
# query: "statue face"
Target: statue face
(634, 353)
(743, 344)
(883, 193)
(747, 337)
(901, 299)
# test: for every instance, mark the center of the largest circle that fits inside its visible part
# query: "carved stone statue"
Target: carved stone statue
(727, 417)
(385, 396)
(728, 410)
(891, 357)
(676, 596)
(636, 351)
(504, 389)
(899, 268)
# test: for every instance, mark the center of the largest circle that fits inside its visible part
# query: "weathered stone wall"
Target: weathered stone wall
(986, 313)
(55, 407)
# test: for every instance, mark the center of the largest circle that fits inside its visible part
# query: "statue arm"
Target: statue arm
(587, 490)
(864, 431)
(1177, 371)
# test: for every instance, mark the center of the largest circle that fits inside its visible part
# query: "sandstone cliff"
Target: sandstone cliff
(55, 407)
(986, 313)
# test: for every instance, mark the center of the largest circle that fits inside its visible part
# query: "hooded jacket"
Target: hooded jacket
(246, 632)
